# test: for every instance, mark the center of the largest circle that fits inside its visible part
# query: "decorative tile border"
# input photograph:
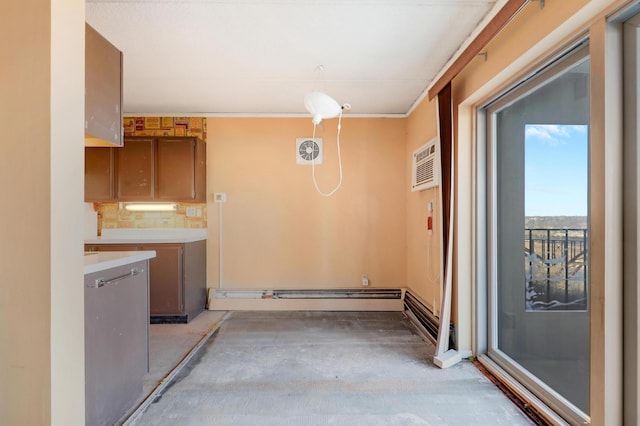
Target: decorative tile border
(166, 126)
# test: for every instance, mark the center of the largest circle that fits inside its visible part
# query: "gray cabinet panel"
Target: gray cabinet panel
(116, 342)
(177, 278)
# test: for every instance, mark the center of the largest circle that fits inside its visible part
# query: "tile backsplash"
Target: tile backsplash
(111, 216)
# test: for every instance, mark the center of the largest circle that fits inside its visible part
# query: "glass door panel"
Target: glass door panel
(538, 189)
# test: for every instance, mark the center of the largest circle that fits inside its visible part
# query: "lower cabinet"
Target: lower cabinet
(177, 278)
(116, 331)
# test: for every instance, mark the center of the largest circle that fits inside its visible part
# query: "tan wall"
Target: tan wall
(508, 55)
(278, 232)
(41, 304)
(533, 36)
(530, 38)
(505, 51)
(25, 372)
(423, 248)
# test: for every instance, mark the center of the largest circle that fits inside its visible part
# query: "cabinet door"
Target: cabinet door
(195, 277)
(135, 170)
(99, 172)
(166, 279)
(103, 91)
(116, 323)
(201, 171)
(176, 169)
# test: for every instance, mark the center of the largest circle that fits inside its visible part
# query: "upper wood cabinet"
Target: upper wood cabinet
(147, 169)
(103, 91)
(99, 174)
(136, 170)
(180, 169)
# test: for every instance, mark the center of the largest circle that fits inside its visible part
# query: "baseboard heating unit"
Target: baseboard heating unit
(423, 317)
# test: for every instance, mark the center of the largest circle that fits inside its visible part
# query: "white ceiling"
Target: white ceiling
(260, 57)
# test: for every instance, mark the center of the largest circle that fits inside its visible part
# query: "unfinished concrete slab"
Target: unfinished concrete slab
(313, 368)
(169, 343)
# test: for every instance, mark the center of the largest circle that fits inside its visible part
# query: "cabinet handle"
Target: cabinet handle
(101, 282)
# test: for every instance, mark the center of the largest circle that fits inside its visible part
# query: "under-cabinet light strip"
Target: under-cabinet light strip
(151, 207)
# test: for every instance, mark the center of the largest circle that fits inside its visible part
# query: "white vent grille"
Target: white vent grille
(425, 171)
(308, 150)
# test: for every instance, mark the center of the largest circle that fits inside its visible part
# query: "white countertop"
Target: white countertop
(97, 261)
(148, 235)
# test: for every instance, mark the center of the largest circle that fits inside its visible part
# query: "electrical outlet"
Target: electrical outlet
(220, 197)
(191, 211)
(365, 280)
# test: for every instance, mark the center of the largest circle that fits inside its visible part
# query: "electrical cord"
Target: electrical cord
(313, 161)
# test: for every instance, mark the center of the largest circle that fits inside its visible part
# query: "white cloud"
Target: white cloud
(553, 134)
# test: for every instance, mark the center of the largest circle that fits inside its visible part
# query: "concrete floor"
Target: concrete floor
(317, 368)
(169, 343)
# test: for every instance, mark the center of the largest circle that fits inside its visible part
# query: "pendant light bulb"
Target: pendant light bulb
(321, 106)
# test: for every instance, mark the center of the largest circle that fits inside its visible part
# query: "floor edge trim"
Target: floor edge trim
(131, 418)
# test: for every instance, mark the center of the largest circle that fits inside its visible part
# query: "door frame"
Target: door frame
(486, 250)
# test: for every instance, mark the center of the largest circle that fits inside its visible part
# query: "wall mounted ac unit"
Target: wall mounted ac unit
(425, 171)
(308, 150)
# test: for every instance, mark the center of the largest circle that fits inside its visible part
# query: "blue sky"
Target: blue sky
(556, 170)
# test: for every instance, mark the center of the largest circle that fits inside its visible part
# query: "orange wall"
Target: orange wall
(519, 37)
(278, 232)
(423, 248)
(504, 60)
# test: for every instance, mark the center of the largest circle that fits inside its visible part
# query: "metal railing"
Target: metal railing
(556, 262)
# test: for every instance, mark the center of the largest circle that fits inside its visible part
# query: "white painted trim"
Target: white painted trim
(488, 17)
(605, 227)
(373, 305)
(447, 359)
(464, 225)
(254, 115)
(631, 183)
(464, 354)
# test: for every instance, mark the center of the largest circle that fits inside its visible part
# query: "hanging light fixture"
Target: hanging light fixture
(321, 106)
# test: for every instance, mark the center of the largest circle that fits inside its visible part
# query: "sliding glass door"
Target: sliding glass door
(538, 231)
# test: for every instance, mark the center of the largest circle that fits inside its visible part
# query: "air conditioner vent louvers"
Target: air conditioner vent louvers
(425, 170)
